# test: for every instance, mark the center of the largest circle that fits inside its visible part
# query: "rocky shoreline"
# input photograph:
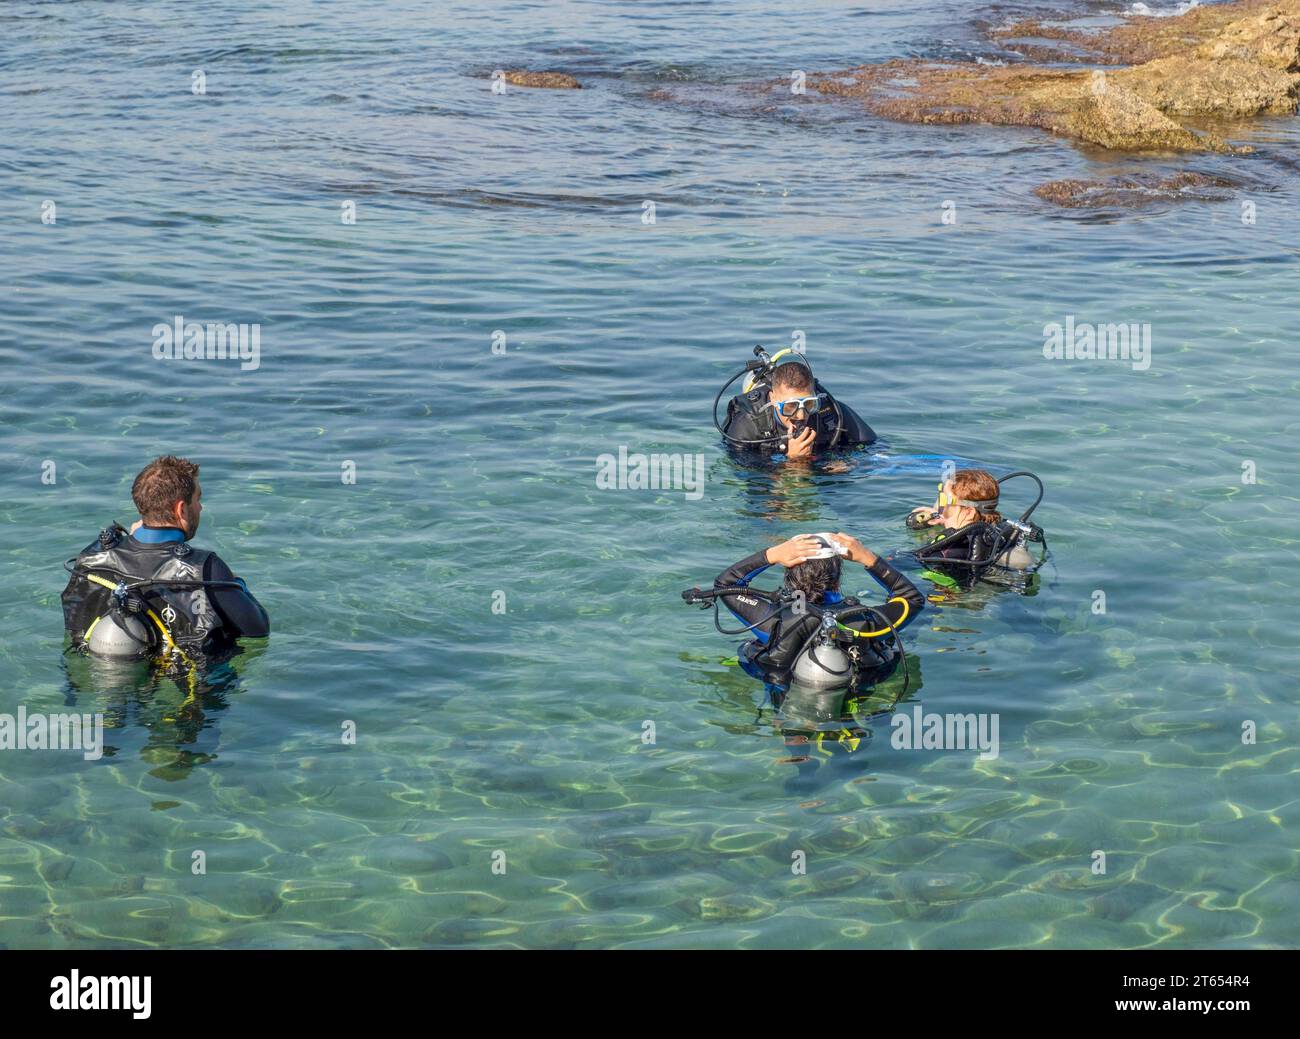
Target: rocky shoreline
(1145, 85)
(1232, 60)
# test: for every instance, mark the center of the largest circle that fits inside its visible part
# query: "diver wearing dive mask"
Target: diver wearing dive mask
(784, 410)
(971, 496)
(976, 541)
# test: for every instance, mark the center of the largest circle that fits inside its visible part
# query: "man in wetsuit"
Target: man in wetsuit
(779, 636)
(793, 415)
(197, 600)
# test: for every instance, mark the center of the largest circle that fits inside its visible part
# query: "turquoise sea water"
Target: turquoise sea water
(521, 733)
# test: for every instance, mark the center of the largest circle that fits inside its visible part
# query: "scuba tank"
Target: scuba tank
(822, 664)
(1018, 557)
(837, 654)
(122, 632)
(126, 637)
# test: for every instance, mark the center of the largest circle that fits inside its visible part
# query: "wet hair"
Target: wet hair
(161, 484)
(977, 485)
(792, 376)
(814, 577)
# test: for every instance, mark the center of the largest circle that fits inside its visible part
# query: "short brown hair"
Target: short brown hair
(161, 484)
(792, 376)
(977, 485)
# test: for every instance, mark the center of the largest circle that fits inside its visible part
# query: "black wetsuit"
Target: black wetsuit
(199, 617)
(240, 612)
(779, 636)
(750, 419)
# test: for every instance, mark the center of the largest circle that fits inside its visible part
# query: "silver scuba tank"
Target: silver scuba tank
(1017, 557)
(823, 665)
(120, 635)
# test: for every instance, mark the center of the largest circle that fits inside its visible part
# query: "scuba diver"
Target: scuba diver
(806, 631)
(145, 592)
(976, 541)
(782, 409)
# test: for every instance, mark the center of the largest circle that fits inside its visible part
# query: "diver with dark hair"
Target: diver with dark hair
(146, 592)
(782, 409)
(976, 541)
(806, 631)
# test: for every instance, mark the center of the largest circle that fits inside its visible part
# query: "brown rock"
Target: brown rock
(1137, 190)
(1229, 87)
(1075, 103)
(1118, 118)
(548, 80)
(1143, 38)
(1227, 60)
(1271, 38)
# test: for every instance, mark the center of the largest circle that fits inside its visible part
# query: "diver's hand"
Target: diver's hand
(801, 446)
(857, 551)
(931, 518)
(794, 551)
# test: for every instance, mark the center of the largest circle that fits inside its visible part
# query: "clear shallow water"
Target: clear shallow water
(521, 733)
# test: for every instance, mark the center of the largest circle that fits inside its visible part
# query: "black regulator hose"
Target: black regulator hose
(839, 417)
(694, 595)
(750, 366)
(1025, 472)
(1001, 544)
